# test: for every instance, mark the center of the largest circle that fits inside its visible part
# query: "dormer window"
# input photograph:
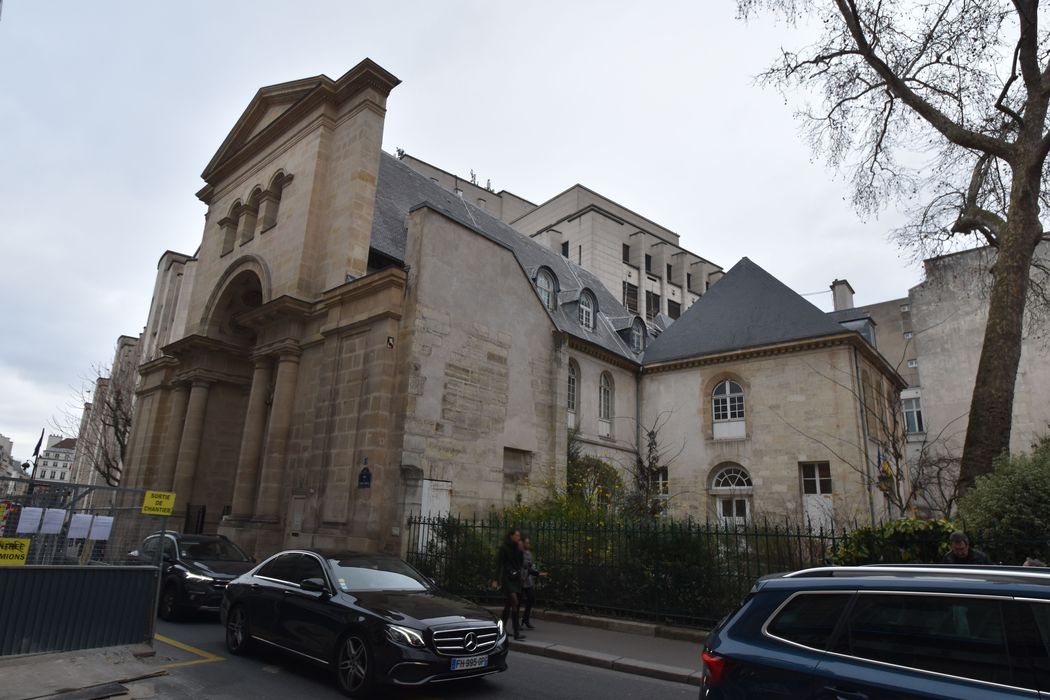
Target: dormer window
(588, 308)
(545, 288)
(638, 336)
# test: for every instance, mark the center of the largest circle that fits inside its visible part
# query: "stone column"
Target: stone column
(180, 396)
(268, 503)
(190, 445)
(251, 442)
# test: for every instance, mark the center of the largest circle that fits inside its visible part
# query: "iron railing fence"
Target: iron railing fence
(686, 572)
(677, 572)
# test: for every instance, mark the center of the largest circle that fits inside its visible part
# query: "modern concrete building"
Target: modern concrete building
(635, 258)
(355, 341)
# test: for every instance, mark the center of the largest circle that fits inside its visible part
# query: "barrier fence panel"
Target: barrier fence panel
(70, 571)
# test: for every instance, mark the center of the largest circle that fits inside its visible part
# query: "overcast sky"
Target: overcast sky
(109, 112)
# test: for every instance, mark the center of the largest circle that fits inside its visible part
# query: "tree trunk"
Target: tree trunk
(991, 408)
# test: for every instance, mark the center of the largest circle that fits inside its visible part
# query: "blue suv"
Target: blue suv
(882, 632)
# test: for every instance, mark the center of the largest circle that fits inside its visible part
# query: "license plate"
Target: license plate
(470, 662)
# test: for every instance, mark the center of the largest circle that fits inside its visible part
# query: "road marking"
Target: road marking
(206, 656)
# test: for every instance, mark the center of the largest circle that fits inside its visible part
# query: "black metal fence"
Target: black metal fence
(676, 572)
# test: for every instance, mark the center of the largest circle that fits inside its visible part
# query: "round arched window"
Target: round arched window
(727, 401)
(731, 488)
(545, 287)
(587, 310)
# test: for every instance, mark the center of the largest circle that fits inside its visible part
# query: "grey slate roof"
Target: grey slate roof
(844, 315)
(747, 308)
(401, 189)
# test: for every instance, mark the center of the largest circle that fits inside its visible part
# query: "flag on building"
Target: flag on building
(36, 450)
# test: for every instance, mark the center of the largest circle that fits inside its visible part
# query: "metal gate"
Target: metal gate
(68, 577)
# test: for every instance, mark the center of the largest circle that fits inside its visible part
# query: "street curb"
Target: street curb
(609, 661)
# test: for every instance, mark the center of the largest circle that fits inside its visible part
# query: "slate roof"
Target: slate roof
(66, 444)
(747, 308)
(401, 189)
(846, 315)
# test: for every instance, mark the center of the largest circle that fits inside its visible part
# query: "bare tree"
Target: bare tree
(940, 104)
(100, 413)
(648, 469)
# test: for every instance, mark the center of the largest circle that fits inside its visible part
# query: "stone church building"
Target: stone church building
(354, 342)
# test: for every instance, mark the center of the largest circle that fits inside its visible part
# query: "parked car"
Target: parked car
(196, 569)
(371, 618)
(881, 632)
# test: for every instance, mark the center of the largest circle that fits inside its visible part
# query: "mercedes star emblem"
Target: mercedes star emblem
(470, 642)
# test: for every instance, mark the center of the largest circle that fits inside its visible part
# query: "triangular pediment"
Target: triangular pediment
(275, 107)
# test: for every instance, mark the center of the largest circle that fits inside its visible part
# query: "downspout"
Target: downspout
(864, 433)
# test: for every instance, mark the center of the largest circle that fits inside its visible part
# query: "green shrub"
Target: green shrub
(1008, 511)
(903, 541)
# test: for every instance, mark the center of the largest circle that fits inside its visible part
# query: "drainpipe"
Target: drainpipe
(864, 433)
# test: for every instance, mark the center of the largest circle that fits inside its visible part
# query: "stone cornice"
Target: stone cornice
(197, 376)
(364, 287)
(282, 307)
(601, 354)
(195, 343)
(754, 353)
(287, 347)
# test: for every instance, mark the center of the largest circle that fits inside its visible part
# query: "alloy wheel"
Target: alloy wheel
(237, 631)
(353, 665)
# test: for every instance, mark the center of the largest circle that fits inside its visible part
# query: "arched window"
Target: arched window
(638, 336)
(573, 383)
(270, 200)
(588, 308)
(546, 288)
(727, 401)
(249, 216)
(605, 397)
(732, 490)
(606, 402)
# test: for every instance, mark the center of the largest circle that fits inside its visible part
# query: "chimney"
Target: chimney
(713, 277)
(842, 293)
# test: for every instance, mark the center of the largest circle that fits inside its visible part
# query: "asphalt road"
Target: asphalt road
(198, 666)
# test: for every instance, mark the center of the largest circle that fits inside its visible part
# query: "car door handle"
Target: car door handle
(845, 694)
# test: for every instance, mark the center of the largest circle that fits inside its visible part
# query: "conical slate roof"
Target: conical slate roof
(747, 308)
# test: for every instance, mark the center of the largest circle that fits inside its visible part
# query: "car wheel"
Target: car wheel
(353, 668)
(169, 604)
(237, 635)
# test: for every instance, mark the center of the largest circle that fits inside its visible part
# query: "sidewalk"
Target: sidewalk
(668, 653)
(75, 675)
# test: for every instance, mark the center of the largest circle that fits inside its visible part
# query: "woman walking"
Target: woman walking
(509, 564)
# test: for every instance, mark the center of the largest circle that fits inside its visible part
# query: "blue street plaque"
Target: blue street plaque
(364, 479)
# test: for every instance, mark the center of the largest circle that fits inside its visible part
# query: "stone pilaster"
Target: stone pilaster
(190, 444)
(180, 397)
(252, 441)
(268, 502)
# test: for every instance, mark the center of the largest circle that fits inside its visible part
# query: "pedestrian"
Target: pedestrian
(528, 589)
(1031, 561)
(509, 567)
(962, 553)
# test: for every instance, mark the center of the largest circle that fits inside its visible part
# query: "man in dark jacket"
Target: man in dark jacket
(961, 553)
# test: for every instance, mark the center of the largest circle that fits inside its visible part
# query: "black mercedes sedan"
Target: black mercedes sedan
(371, 618)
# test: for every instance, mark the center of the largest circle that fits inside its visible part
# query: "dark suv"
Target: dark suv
(196, 570)
(881, 632)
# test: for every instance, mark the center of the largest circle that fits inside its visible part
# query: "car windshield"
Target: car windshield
(365, 573)
(210, 550)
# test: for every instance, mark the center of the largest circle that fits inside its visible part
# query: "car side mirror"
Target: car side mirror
(313, 585)
(433, 581)
(134, 553)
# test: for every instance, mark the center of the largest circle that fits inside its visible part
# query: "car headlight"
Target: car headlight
(499, 628)
(404, 636)
(198, 578)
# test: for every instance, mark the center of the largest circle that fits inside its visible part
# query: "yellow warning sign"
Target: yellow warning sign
(158, 503)
(13, 551)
